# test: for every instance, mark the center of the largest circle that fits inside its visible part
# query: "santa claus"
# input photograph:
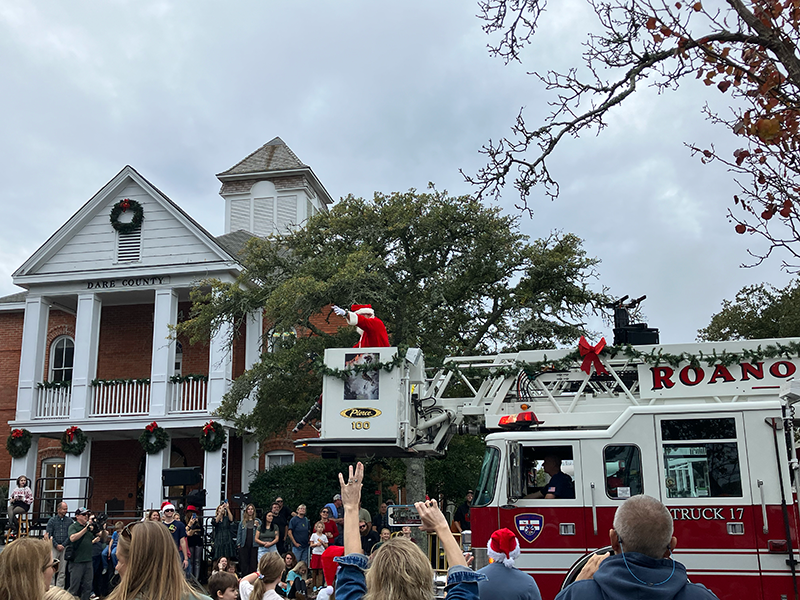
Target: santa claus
(372, 330)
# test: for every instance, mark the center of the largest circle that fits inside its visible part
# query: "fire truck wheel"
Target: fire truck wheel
(576, 568)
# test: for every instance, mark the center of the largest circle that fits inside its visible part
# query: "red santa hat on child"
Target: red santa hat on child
(362, 309)
(503, 547)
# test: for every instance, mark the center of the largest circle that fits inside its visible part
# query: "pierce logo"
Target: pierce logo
(529, 525)
(360, 413)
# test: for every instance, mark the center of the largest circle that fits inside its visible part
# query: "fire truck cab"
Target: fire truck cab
(707, 428)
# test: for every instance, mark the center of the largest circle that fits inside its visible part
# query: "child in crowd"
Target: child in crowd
(296, 579)
(223, 586)
(261, 584)
(318, 543)
(385, 536)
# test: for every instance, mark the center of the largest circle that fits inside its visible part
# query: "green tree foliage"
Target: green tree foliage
(446, 274)
(758, 312)
(454, 474)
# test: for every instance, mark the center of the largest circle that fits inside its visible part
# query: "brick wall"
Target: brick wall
(115, 470)
(10, 345)
(126, 342)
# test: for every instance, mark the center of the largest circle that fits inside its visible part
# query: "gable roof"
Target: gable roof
(94, 212)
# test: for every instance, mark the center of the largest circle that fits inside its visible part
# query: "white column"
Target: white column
(163, 363)
(153, 489)
(87, 339)
(215, 469)
(252, 352)
(77, 467)
(31, 361)
(26, 465)
(250, 449)
(220, 365)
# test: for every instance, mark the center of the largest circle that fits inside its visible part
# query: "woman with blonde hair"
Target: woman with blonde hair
(261, 584)
(246, 540)
(150, 567)
(398, 569)
(26, 569)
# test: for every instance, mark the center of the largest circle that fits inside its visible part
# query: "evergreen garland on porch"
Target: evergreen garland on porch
(18, 443)
(154, 438)
(212, 437)
(73, 441)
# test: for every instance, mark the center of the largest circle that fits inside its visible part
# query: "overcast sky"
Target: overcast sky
(374, 96)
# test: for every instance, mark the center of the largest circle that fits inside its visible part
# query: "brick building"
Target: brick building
(88, 342)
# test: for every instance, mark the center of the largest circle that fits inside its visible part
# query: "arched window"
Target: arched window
(62, 355)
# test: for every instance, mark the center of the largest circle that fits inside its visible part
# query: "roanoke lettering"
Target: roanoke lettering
(666, 378)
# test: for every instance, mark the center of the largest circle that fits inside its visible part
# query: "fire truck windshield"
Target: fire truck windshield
(488, 479)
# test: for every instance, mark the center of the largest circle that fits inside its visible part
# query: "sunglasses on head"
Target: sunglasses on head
(53, 565)
(126, 531)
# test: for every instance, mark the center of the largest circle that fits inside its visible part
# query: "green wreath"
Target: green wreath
(73, 441)
(123, 206)
(154, 438)
(18, 442)
(212, 437)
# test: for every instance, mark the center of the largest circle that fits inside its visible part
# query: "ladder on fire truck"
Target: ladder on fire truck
(403, 412)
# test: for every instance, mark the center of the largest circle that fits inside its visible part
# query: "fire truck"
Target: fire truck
(707, 428)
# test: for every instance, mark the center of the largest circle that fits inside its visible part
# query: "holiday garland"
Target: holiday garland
(54, 385)
(154, 438)
(212, 437)
(73, 441)
(140, 381)
(18, 443)
(123, 206)
(185, 378)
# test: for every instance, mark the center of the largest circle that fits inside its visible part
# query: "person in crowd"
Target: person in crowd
(194, 539)
(56, 534)
(261, 584)
(503, 579)
(282, 525)
(386, 535)
(220, 564)
(642, 566)
(99, 567)
(331, 530)
(81, 572)
(150, 566)
(285, 512)
(290, 562)
(299, 534)
(246, 540)
(177, 530)
(317, 543)
(153, 515)
(405, 532)
(298, 581)
(399, 569)
(368, 537)
(363, 515)
(111, 552)
(223, 586)
(267, 536)
(461, 518)
(58, 593)
(19, 503)
(223, 540)
(335, 510)
(26, 569)
(560, 485)
(381, 519)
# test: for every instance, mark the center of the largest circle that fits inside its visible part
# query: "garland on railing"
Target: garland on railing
(212, 437)
(54, 385)
(141, 381)
(185, 378)
(573, 358)
(19, 442)
(73, 441)
(154, 438)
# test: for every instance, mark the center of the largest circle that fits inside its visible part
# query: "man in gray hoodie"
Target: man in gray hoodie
(641, 566)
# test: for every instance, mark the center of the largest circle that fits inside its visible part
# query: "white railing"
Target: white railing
(121, 398)
(53, 403)
(190, 395)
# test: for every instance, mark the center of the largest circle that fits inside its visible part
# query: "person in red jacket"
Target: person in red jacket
(372, 330)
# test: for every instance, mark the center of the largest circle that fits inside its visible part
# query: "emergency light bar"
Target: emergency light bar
(523, 420)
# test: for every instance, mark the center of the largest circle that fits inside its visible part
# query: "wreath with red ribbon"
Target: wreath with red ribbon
(124, 206)
(213, 436)
(18, 443)
(154, 438)
(73, 441)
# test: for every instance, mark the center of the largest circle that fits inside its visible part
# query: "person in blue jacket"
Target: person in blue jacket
(398, 569)
(641, 566)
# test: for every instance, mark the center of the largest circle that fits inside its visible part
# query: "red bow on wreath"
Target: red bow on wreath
(71, 432)
(152, 427)
(125, 204)
(590, 356)
(16, 433)
(208, 427)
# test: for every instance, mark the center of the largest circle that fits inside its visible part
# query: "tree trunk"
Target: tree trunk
(415, 492)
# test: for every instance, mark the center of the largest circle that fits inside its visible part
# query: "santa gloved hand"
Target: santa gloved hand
(339, 311)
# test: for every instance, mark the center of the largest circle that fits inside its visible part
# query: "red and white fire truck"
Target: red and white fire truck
(706, 428)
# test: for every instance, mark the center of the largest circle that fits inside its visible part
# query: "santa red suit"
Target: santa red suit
(372, 330)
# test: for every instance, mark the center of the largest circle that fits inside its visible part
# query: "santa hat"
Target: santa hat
(167, 506)
(362, 309)
(503, 546)
(329, 567)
